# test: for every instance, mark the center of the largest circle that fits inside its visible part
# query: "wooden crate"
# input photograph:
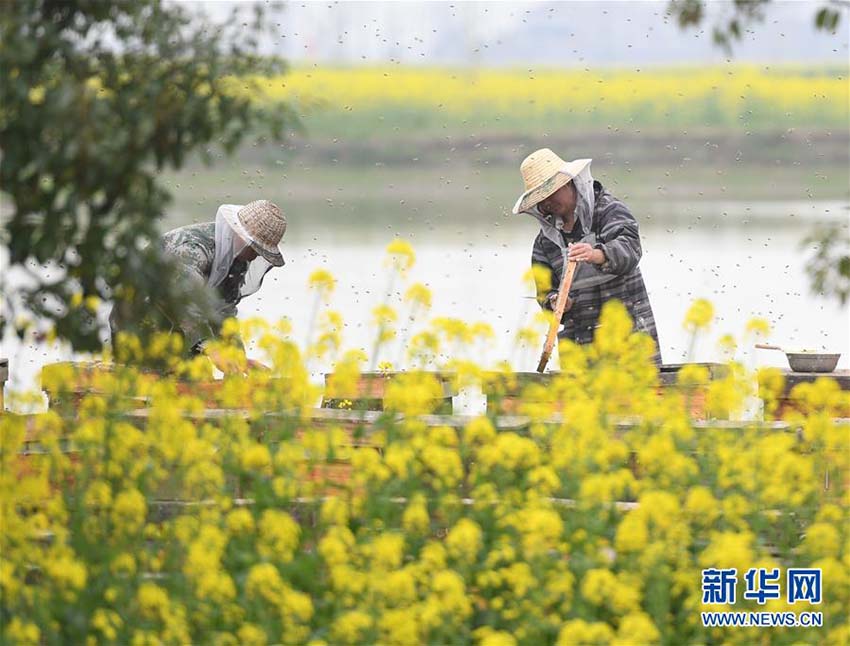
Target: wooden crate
(370, 390)
(506, 391)
(212, 393)
(696, 394)
(87, 381)
(33, 454)
(790, 403)
(87, 374)
(358, 428)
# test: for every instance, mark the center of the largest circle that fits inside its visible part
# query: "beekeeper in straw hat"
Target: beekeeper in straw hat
(229, 256)
(580, 220)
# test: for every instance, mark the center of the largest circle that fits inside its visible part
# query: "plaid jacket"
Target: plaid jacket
(194, 248)
(616, 233)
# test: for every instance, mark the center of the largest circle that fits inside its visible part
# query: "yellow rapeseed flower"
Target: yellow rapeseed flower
(486, 636)
(387, 551)
(448, 598)
(415, 520)
(637, 628)
(334, 511)
(510, 451)
(257, 459)
(129, 511)
(401, 255)
(729, 550)
(539, 277)
(771, 384)
(578, 631)
(424, 346)
(351, 627)
(822, 540)
(123, 565)
(479, 431)
(632, 533)
(418, 295)
(240, 521)
(384, 315)
(540, 529)
(758, 327)
(399, 627)
(346, 375)
(230, 328)
(702, 506)
(107, 623)
(264, 581)
(464, 541)
(445, 464)
(336, 546)
(728, 345)
(279, 535)
(92, 303)
(322, 281)
(413, 393)
(252, 635)
(152, 599)
(455, 330)
(98, 496)
(597, 585)
(699, 315)
(482, 330)
(23, 632)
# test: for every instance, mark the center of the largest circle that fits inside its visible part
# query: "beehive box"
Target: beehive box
(506, 391)
(369, 392)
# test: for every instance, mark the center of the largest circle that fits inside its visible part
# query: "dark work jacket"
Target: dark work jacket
(617, 235)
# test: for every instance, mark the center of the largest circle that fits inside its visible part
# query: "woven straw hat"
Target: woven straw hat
(543, 173)
(262, 224)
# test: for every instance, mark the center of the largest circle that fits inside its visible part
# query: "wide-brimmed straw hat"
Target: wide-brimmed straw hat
(543, 173)
(262, 225)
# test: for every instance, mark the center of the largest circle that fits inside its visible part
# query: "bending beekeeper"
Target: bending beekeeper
(230, 257)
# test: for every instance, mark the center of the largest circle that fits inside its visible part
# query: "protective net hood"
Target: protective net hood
(228, 246)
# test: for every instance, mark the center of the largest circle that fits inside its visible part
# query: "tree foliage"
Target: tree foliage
(829, 266)
(744, 14)
(96, 98)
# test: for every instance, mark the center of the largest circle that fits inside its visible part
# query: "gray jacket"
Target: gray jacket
(193, 246)
(615, 232)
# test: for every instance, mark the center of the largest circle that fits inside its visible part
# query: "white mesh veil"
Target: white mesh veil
(228, 246)
(585, 198)
(587, 275)
(585, 203)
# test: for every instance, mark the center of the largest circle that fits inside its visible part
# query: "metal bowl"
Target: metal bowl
(812, 361)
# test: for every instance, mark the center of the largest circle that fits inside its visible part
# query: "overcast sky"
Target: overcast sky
(589, 33)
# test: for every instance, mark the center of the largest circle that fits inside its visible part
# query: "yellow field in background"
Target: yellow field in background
(731, 95)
